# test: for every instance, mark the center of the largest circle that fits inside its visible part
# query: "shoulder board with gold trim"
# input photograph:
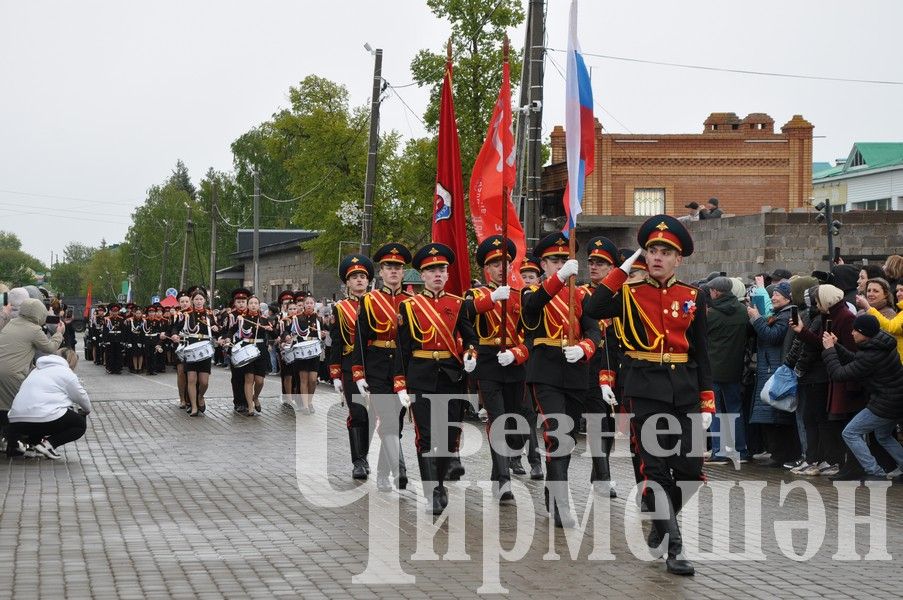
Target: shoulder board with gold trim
(454, 296)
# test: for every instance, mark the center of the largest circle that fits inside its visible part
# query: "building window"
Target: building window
(857, 160)
(883, 204)
(648, 201)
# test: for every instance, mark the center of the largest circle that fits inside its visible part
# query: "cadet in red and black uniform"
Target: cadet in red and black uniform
(665, 369)
(153, 350)
(287, 332)
(530, 272)
(432, 334)
(499, 365)
(556, 371)
(600, 396)
(373, 360)
(307, 368)
(198, 326)
(96, 328)
(356, 271)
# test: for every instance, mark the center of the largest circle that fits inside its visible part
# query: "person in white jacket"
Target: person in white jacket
(42, 414)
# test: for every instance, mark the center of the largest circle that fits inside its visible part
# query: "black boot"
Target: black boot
(431, 488)
(536, 470)
(455, 468)
(401, 480)
(600, 476)
(654, 541)
(556, 492)
(676, 562)
(517, 466)
(356, 440)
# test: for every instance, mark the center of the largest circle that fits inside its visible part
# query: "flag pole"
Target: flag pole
(503, 340)
(571, 288)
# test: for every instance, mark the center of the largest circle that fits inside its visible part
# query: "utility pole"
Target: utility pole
(185, 250)
(165, 258)
(213, 222)
(537, 29)
(255, 240)
(370, 185)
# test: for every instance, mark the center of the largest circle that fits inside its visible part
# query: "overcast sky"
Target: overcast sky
(99, 99)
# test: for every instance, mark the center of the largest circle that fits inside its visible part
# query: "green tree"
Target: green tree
(76, 252)
(477, 31)
(106, 272)
(16, 266)
(9, 241)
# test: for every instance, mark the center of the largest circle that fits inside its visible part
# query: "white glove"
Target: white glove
(470, 363)
(706, 420)
(569, 268)
(609, 395)
(483, 414)
(625, 266)
(362, 387)
(404, 398)
(506, 357)
(573, 353)
(337, 384)
(503, 292)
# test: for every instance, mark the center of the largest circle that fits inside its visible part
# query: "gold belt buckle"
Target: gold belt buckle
(435, 355)
(498, 341)
(666, 357)
(387, 342)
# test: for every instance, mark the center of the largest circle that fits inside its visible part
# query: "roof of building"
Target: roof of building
(818, 167)
(271, 240)
(864, 157)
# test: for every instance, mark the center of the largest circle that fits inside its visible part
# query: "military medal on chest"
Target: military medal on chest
(674, 308)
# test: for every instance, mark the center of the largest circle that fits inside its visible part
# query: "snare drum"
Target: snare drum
(180, 352)
(288, 356)
(244, 355)
(198, 352)
(306, 350)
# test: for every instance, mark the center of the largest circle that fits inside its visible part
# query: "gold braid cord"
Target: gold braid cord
(627, 317)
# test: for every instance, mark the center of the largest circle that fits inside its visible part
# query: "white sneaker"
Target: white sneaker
(811, 471)
(800, 468)
(47, 451)
(27, 451)
(895, 473)
(830, 470)
(762, 455)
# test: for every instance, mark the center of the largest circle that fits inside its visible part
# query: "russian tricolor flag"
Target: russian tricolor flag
(579, 125)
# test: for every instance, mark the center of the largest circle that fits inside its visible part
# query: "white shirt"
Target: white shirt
(48, 392)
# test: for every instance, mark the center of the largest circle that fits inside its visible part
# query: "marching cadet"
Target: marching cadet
(134, 326)
(500, 356)
(197, 326)
(96, 328)
(665, 371)
(175, 327)
(638, 269)
(155, 326)
(432, 334)
(113, 334)
(530, 271)
(310, 328)
(373, 360)
(228, 324)
(287, 330)
(251, 327)
(557, 371)
(355, 271)
(600, 396)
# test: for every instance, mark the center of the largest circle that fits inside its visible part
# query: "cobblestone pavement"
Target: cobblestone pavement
(154, 504)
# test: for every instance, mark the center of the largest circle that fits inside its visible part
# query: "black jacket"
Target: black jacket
(727, 330)
(877, 366)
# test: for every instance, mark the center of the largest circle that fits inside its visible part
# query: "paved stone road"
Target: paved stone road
(153, 504)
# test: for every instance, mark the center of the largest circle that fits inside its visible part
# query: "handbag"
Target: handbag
(780, 390)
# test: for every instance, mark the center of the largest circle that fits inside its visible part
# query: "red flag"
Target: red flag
(448, 207)
(493, 170)
(88, 303)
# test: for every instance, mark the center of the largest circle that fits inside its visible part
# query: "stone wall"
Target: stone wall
(745, 245)
(294, 270)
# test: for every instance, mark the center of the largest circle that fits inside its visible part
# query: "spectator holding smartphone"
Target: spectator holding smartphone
(892, 325)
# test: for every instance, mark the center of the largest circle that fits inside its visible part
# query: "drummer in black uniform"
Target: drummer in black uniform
(96, 326)
(198, 326)
(373, 359)
(287, 333)
(252, 327)
(310, 330)
(175, 327)
(666, 372)
(113, 337)
(557, 371)
(356, 271)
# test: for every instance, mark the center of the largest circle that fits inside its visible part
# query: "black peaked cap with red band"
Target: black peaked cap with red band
(493, 248)
(392, 252)
(665, 229)
(554, 244)
(602, 247)
(355, 263)
(433, 254)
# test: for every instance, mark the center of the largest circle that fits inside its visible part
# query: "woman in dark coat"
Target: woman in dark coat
(778, 427)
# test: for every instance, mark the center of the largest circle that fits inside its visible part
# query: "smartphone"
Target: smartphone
(68, 313)
(794, 315)
(827, 325)
(723, 273)
(52, 320)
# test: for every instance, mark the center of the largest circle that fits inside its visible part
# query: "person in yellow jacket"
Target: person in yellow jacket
(894, 325)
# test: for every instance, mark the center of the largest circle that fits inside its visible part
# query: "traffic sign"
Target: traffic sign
(172, 292)
(120, 298)
(155, 299)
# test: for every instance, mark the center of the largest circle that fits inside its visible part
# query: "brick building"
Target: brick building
(742, 162)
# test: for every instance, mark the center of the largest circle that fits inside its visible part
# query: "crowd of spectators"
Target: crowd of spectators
(841, 335)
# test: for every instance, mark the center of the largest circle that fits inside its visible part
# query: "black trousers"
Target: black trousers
(113, 359)
(422, 408)
(555, 403)
(666, 471)
(501, 399)
(385, 404)
(358, 415)
(68, 428)
(238, 387)
(599, 445)
(783, 441)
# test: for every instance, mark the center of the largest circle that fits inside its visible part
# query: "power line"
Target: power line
(729, 70)
(15, 213)
(61, 197)
(397, 95)
(55, 210)
(596, 102)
